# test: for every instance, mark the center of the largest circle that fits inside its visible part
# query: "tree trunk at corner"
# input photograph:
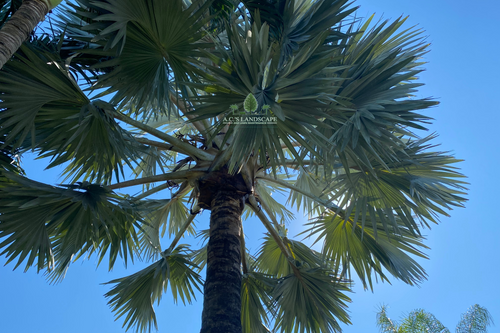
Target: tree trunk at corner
(19, 27)
(222, 296)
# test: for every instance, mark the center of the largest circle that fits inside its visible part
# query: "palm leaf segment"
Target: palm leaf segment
(343, 137)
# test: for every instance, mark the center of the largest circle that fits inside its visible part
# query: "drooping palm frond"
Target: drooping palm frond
(256, 289)
(57, 119)
(307, 182)
(267, 192)
(161, 216)
(312, 300)
(134, 296)
(153, 161)
(419, 185)
(49, 227)
(272, 261)
(367, 253)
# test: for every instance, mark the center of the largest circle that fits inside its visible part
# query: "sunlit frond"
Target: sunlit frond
(256, 289)
(368, 253)
(272, 261)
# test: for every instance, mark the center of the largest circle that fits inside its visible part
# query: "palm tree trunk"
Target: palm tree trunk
(222, 296)
(19, 27)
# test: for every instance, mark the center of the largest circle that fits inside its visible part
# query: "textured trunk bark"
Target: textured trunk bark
(222, 296)
(19, 27)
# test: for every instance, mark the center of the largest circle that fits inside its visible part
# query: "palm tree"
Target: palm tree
(342, 143)
(475, 320)
(18, 19)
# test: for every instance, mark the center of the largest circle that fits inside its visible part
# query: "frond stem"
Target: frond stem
(185, 147)
(243, 251)
(201, 126)
(181, 233)
(178, 175)
(157, 144)
(268, 211)
(263, 218)
(153, 191)
(325, 203)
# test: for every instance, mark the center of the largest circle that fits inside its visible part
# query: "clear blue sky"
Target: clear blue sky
(464, 265)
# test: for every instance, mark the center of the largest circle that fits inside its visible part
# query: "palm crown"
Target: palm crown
(343, 147)
(475, 320)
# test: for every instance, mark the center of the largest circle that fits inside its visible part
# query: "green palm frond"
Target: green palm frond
(419, 185)
(50, 86)
(375, 104)
(152, 162)
(273, 262)
(151, 48)
(57, 119)
(309, 182)
(256, 301)
(265, 192)
(311, 300)
(475, 320)
(161, 216)
(367, 252)
(49, 227)
(134, 296)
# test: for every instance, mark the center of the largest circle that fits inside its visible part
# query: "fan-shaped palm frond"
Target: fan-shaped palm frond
(272, 261)
(256, 289)
(160, 216)
(135, 295)
(420, 185)
(58, 120)
(311, 300)
(149, 47)
(374, 105)
(346, 245)
(48, 226)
